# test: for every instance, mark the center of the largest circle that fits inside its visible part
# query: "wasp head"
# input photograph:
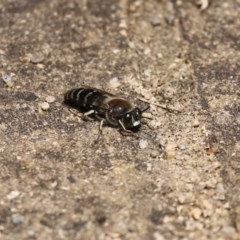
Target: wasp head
(132, 119)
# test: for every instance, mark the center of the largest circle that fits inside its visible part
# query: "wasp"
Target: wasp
(109, 109)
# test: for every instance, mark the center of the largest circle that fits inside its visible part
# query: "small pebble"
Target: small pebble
(17, 218)
(8, 79)
(116, 51)
(147, 115)
(10, 84)
(45, 106)
(123, 24)
(207, 207)
(154, 153)
(168, 93)
(123, 33)
(156, 22)
(229, 230)
(181, 199)
(182, 147)
(27, 58)
(37, 57)
(114, 82)
(31, 233)
(132, 8)
(203, 4)
(54, 184)
(154, 82)
(158, 236)
(170, 19)
(170, 154)
(143, 144)
(196, 213)
(149, 167)
(195, 123)
(13, 194)
(131, 44)
(50, 99)
(40, 66)
(147, 51)
(211, 183)
(220, 188)
(74, 45)
(147, 72)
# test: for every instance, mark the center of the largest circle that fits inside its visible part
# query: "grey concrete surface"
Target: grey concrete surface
(178, 178)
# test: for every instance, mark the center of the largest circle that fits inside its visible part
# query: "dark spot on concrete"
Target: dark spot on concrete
(157, 216)
(74, 225)
(100, 217)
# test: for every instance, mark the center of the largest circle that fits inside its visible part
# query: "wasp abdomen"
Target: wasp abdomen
(85, 98)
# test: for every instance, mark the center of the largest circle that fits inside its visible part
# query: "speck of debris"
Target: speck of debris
(149, 167)
(168, 93)
(6, 78)
(196, 213)
(203, 4)
(143, 143)
(158, 236)
(154, 153)
(9, 79)
(17, 218)
(171, 154)
(31, 233)
(115, 82)
(40, 66)
(123, 24)
(37, 57)
(195, 123)
(13, 194)
(169, 19)
(229, 230)
(156, 22)
(116, 51)
(147, 115)
(147, 51)
(44, 106)
(123, 33)
(182, 147)
(27, 58)
(50, 99)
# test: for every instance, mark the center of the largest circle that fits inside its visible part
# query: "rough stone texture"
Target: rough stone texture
(57, 182)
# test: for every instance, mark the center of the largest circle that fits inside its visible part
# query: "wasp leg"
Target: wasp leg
(74, 112)
(100, 129)
(127, 132)
(101, 125)
(90, 112)
(87, 114)
(123, 127)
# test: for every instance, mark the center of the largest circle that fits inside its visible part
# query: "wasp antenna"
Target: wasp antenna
(147, 117)
(145, 109)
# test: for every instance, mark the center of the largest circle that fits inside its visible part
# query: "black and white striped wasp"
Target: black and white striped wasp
(107, 108)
